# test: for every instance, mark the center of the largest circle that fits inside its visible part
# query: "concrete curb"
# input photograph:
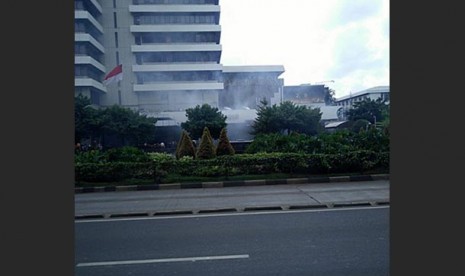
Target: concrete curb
(226, 210)
(242, 183)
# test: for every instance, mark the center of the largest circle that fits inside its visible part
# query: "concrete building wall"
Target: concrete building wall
(89, 51)
(246, 86)
(117, 42)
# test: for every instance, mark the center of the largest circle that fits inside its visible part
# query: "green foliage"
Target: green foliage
(159, 157)
(162, 164)
(113, 171)
(127, 154)
(93, 123)
(368, 110)
(342, 141)
(206, 148)
(286, 118)
(360, 161)
(275, 142)
(185, 146)
(130, 126)
(123, 154)
(204, 116)
(87, 121)
(279, 162)
(360, 125)
(91, 156)
(373, 139)
(224, 147)
(179, 144)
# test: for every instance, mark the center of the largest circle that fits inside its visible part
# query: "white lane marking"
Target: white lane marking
(190, 259)
(234, 214)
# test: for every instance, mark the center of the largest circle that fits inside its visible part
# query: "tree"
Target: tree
(87, 119)
(360, 125)
(185, 146)
(206, 148)
(368, 109)
(267, 120)
(204, 116)
(286, 118)
(131, 127)
(224, 147)
(93, 123)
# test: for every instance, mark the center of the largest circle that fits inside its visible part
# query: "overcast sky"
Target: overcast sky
(315, 40)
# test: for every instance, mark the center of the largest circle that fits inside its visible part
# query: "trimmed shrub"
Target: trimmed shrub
(206, 148)
(224, 147)
(185, 146)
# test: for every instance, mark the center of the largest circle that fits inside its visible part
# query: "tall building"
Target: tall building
(169, 49)
(175, 53)
(89, 50)
(170, 54)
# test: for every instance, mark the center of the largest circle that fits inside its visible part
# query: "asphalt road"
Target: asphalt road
(342, 241)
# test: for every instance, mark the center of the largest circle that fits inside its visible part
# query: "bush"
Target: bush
(224, 147)
(163, 162)
(162, 165)
(360, 125)
(126, 154)
(91, 156)
(185, 146)
(112, 172)
(206, 148)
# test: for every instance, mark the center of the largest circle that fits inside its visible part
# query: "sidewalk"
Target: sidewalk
(336, 192)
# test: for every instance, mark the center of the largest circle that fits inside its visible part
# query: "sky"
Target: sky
(343, 44)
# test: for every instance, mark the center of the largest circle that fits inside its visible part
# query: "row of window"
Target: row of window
(252, 80)
(86, 27)
(84, 71)
(175, 19)
(82, 5)
(82, 49)
(153, 77)
(183, 37)
(178, 57)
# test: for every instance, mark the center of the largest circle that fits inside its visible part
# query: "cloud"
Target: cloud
(315, 40)
(351, 52)
(346, 12)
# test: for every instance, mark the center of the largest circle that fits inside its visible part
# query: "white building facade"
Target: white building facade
(169, 49)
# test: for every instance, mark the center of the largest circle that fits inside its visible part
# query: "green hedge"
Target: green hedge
(229, 165)
(113, 171)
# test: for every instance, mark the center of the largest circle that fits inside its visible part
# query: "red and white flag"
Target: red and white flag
(115, 75)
